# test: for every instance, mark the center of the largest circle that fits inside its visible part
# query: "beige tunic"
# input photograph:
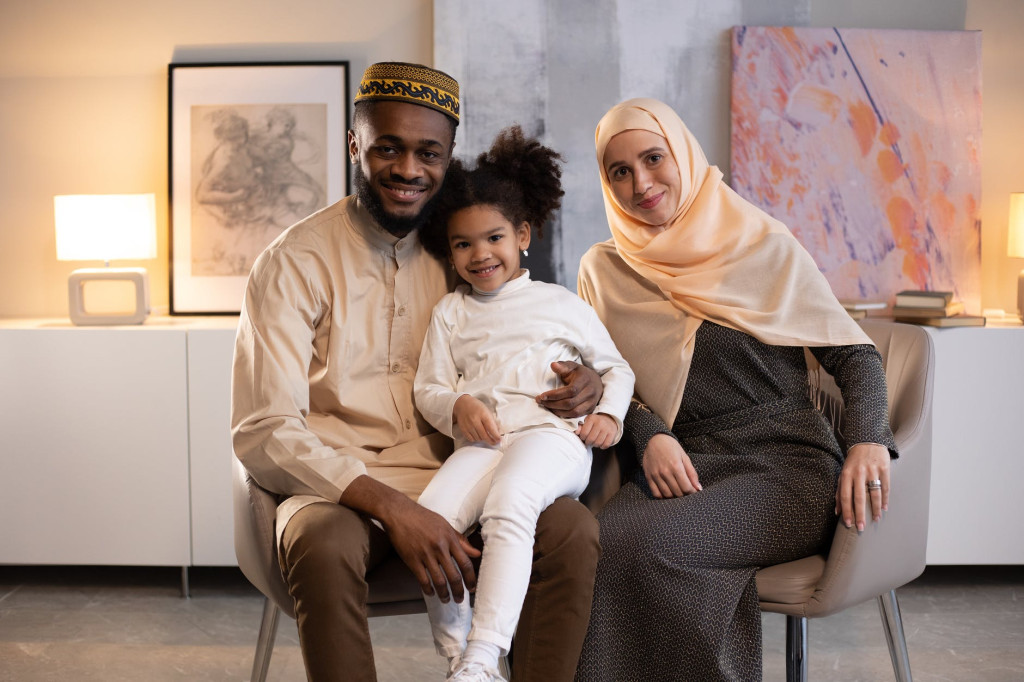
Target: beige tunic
(328, 343)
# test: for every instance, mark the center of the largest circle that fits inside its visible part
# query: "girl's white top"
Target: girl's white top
(498, 347)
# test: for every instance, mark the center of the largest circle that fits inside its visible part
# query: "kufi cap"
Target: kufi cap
(412, 83)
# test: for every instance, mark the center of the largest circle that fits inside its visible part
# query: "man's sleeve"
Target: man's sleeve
(270, 385)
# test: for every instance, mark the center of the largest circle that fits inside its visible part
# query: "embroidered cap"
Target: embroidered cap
(412, 83)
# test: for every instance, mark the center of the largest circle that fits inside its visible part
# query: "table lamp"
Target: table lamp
(1015, 243)
(106, 227)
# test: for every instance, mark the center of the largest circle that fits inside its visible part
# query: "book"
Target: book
(857, 314)
(924, 299)
(864, 305)
(949, 310)
(955, 321)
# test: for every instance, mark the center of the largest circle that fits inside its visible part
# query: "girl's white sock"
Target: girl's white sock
(482, 652)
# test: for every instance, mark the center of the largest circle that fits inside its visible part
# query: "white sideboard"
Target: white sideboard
(114, 442)
(115, 446)
(977, 447)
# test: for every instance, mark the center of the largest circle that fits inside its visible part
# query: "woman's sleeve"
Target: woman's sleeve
(860, 376)
(641, 425)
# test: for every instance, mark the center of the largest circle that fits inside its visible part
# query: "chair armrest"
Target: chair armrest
(891, 553)
(255, 537)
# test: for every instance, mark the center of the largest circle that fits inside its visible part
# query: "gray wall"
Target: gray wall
(555, 67)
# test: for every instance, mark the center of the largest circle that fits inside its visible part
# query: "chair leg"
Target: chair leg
(892, 623)
(796, 649)
(265, 641)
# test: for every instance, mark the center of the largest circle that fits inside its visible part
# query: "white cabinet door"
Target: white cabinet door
(93, 446)
(209, 388)
(977, 447)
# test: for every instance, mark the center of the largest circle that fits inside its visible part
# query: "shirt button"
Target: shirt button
(395, 368)
(401, 311)
(408, 424)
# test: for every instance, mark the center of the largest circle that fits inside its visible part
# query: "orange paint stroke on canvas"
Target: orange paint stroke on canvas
(889, 135)
(889, 165)
(941, 213)
(903, 222)
(864, 125)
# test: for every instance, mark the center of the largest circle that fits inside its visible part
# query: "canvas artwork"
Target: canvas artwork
(867, 144)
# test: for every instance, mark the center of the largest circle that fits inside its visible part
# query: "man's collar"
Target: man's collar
(375, 234)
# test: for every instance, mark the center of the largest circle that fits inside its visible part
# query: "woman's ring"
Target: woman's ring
(875, 484)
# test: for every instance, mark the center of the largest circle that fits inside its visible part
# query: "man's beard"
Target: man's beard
(399, 226)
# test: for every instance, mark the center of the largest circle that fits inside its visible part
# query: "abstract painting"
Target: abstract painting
(867, 144)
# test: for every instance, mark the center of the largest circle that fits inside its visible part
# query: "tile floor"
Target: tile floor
(121, 624)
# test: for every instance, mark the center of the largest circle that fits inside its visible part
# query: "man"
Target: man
(322, 404)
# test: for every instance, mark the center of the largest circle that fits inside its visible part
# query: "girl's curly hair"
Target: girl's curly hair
(518, 176)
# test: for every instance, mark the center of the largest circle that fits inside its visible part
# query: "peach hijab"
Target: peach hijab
(719, 258)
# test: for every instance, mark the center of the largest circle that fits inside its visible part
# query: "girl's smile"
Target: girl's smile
(484, 246)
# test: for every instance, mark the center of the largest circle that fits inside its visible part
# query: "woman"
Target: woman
(712, 303)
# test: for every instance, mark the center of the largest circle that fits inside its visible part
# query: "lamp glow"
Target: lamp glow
(106, 227)
(1015, 242)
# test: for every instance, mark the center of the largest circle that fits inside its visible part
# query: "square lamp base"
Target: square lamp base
(76, 295)
(1020, 295)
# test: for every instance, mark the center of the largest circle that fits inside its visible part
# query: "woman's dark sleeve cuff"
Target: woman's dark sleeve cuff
(643, 425)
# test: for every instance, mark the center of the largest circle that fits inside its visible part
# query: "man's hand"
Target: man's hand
(477, 423)
(438, 556)
(598, 431)
(580, 395)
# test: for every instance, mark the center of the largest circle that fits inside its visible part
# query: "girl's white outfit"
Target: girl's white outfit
(498, 347)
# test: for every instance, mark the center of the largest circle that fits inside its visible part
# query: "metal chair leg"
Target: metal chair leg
(265, 641)
(796, 649)
(892, 623)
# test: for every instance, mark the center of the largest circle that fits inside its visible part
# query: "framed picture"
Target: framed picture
(253, 148)
(874, 163)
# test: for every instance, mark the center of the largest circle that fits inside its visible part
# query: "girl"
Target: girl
(487, 355)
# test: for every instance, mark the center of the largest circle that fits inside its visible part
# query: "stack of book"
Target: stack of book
(933, 308)
(858, 310)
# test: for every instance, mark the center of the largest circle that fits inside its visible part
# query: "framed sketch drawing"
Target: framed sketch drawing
(253, 148)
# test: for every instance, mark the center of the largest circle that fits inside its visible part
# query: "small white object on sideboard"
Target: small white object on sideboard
(116, 446)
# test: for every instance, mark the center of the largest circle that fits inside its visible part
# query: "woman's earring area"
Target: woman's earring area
(525, 253)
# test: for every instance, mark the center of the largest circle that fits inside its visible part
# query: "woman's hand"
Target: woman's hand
(476, 421)
(865, 462)
(668, 469)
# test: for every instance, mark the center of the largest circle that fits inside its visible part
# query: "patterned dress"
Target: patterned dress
(675, 595)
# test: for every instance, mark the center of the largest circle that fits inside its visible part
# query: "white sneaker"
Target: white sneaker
(472, 671)
(453, 665)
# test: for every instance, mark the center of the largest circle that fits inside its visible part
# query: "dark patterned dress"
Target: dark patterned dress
(675, 596)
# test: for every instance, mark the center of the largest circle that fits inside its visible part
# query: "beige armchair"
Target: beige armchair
(859, 566)
(393, 590)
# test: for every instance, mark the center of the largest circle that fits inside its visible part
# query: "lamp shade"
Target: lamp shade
(1015, 235)
(105, 226)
